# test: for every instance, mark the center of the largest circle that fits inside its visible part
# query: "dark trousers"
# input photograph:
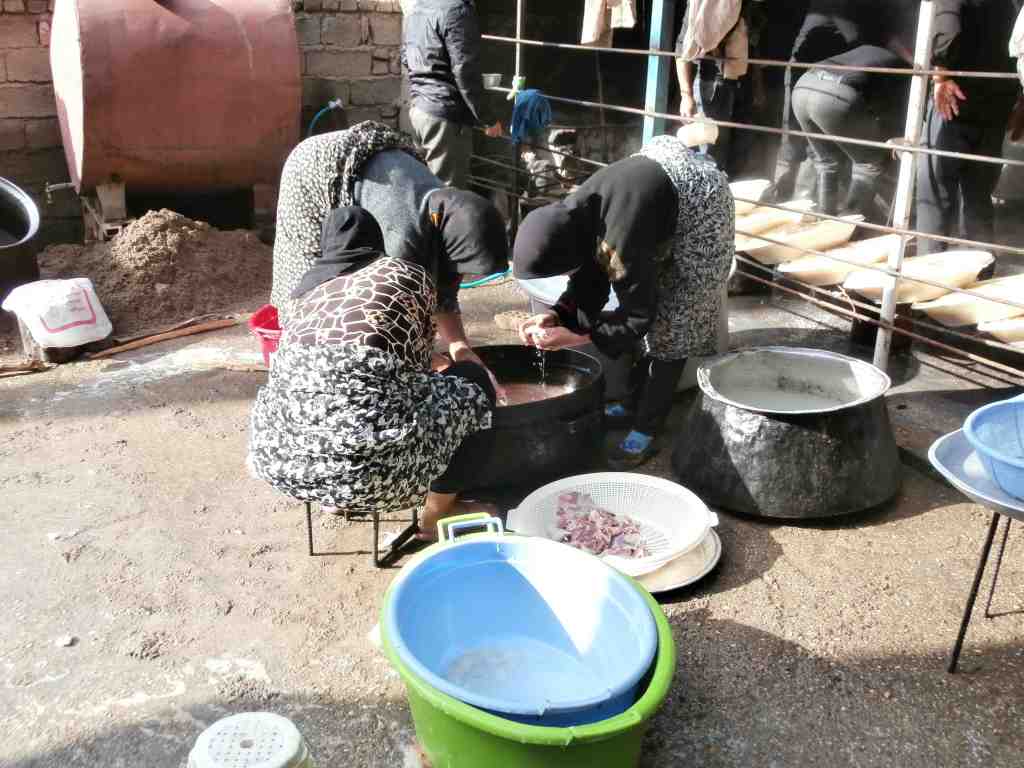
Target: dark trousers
(657, 382)
(476, 449)
(822, 35)
(729, 100)
(825, 106)
(949, 189)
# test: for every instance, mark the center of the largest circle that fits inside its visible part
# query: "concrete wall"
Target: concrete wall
(349, 51)
(30, 144)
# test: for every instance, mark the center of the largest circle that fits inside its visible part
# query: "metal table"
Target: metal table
(955, 458)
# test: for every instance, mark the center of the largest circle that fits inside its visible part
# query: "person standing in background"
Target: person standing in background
(723, 90)
(967, 115)
(859, 105)
(830, 27)
(441, 53)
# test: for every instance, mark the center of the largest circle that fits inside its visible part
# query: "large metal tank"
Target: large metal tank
(176, 94)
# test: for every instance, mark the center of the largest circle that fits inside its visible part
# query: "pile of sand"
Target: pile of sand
(164, 268)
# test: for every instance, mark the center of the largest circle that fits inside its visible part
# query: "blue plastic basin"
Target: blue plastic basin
(996, 432)
(527, 629)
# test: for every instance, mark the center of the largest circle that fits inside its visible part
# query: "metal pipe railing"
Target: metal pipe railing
(884, 270)
(891, 328)
(782, 132)
(756, 61)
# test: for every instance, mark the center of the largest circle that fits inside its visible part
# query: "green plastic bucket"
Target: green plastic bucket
(453, 734)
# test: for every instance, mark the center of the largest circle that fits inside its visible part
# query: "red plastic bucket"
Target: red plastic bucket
(267, 329)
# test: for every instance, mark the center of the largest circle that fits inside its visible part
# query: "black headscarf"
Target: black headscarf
(553, 240)
(349, 240)
(471, 231)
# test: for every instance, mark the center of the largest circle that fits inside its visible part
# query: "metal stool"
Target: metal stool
(957, 461)
(391, 554)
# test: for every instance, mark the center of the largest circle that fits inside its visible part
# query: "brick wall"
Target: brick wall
(30, 144)
(349, 51)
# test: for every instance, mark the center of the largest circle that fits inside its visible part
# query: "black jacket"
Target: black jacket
(441, 53)
(973, 34)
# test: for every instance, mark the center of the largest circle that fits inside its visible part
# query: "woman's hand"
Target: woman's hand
(557, 338)
(439, 362)
(947, 96)
(462, 352)
(528, 328)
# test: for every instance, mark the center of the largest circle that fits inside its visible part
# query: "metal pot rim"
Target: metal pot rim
(19, 196)
(704, 379)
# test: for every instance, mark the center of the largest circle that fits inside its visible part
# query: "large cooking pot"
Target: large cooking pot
(789, 433)
(537, 442)
(19, 223)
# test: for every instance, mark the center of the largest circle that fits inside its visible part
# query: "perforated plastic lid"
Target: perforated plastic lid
(251, 740)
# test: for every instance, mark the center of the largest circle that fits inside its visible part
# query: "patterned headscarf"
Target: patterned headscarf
(357, 145)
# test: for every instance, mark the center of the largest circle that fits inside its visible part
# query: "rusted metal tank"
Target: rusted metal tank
(176, 94)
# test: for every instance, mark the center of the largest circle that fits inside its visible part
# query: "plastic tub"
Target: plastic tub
(997, 433)
(457, 735)
(265, 327)
(524, 628)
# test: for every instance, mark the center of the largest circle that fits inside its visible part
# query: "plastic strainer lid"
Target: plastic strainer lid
(251, 740)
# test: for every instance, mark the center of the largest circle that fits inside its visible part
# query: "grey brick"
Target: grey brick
(308, 30)
(387, 29)
(382, 90)
(43, 134)
(29, 65)
(27, 101)
(12, 135)
(317, 91)
(342, 64)
(18, 32)
(343, 31)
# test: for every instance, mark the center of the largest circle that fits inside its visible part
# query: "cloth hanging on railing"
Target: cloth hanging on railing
(531, 114)
(600, 17)
(708, 22)
(1017, 44)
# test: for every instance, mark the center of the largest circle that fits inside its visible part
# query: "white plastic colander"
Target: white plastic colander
(672, 519)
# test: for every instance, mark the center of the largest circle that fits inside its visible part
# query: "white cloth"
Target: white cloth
(600, 17)
(708, 22)
(1017, 44)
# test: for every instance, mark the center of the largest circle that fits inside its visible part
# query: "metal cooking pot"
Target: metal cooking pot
(537, 442)
(19, 223)
(791, 433)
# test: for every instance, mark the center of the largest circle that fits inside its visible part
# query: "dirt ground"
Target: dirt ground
(151, 587)
(164, 267)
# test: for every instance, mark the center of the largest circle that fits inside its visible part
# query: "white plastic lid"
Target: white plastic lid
(251, 740)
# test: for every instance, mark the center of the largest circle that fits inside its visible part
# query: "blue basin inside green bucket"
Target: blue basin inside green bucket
(455, 734)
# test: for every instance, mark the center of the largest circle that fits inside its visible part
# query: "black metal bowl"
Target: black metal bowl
(537, 442)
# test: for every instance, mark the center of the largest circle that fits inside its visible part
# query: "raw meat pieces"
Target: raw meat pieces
(595, 530)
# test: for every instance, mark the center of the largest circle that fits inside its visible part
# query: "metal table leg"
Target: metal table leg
(999, 563)
(982, 562)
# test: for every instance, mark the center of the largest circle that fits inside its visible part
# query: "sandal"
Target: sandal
(617, 416)
(636, 449)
